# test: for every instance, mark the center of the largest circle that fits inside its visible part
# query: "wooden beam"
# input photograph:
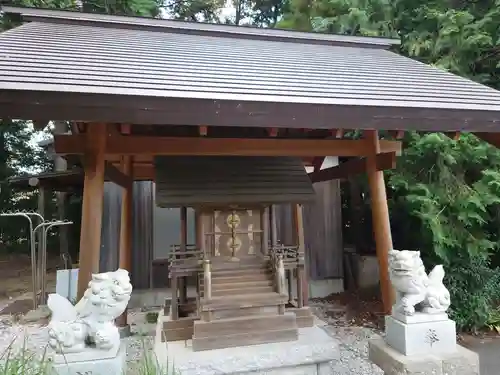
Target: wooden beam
(137, 145)
(397, 134)
(115, 175)
(203, 130)
(380, 218)
(273, 132)
(491, 138)
(337, 133)
(94, 145)
(125, 128)
(453, 135)
(353, 167)
(40, 124)
(125, 255)
(317, 162)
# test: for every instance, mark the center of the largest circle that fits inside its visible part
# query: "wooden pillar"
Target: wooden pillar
(200, 236)
(174, 305)
(183, 280)
(125, 256)
(264, 221)
(274, 226)
(302, 277)
(380, 218)
(93, 190)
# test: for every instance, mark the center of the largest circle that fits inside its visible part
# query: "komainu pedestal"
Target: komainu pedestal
(420, 339)
(84, 337)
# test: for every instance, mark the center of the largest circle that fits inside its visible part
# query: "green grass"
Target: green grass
(21, 361)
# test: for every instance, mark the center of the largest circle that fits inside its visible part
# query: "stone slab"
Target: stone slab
(86, 366)
(66, 283)
(88, 355)
(461, 362)
(419, 317)
(421, 338)
(309, 355)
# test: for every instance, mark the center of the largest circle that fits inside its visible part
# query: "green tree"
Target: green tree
(448, 189)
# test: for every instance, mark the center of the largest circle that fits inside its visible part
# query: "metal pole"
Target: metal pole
(28, 215)
(46, 228)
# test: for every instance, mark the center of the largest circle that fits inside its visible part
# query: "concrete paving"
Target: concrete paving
(489, 353)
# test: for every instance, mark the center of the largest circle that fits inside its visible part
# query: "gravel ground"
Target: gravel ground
(354, 340)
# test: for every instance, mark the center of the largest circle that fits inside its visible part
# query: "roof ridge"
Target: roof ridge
(223, 30)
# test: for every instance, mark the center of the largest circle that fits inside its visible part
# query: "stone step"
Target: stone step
(244, 339)
(244, 324)
(243, 301)
(305, 321)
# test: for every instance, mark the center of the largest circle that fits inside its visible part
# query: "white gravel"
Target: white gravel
(354, 340)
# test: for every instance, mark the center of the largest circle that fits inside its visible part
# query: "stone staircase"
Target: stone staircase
(244, 308)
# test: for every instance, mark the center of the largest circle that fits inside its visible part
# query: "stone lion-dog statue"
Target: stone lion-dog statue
(91, 322)
(415, 290)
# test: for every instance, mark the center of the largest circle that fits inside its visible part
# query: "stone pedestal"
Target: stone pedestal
(460, 362)
(422, 344)
(91, 362)
(421, 337)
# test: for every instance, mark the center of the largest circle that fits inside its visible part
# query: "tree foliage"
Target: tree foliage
(444, 195)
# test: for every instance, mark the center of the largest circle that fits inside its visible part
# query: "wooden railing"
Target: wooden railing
(287, 259)
(185, 260)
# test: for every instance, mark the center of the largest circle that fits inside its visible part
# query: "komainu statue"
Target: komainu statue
(415, 290)
(91, 322)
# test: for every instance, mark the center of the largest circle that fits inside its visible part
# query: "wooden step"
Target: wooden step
(242, 285)
(243, 301)
(253, 323)
(250, 289)
(244, 339)
(245, 278)
(240, 272)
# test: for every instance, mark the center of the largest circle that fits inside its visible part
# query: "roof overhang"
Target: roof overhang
(101, 68)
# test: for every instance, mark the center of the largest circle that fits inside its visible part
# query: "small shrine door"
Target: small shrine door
(235, 233)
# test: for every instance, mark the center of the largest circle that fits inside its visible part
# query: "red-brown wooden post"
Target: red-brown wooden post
(380, 218)
(93, 195)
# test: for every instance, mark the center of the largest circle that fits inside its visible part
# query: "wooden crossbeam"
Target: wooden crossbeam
(353, 167)
(273, 132)
(491, 138)
(317, 162)
(117, 176)
(141, 145)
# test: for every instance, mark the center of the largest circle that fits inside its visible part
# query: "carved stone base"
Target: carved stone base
(460, 362)
(91, 362)
(421, 338)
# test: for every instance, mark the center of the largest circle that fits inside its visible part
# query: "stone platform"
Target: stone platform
(459, 362)
(91, 362)
(309, 355)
